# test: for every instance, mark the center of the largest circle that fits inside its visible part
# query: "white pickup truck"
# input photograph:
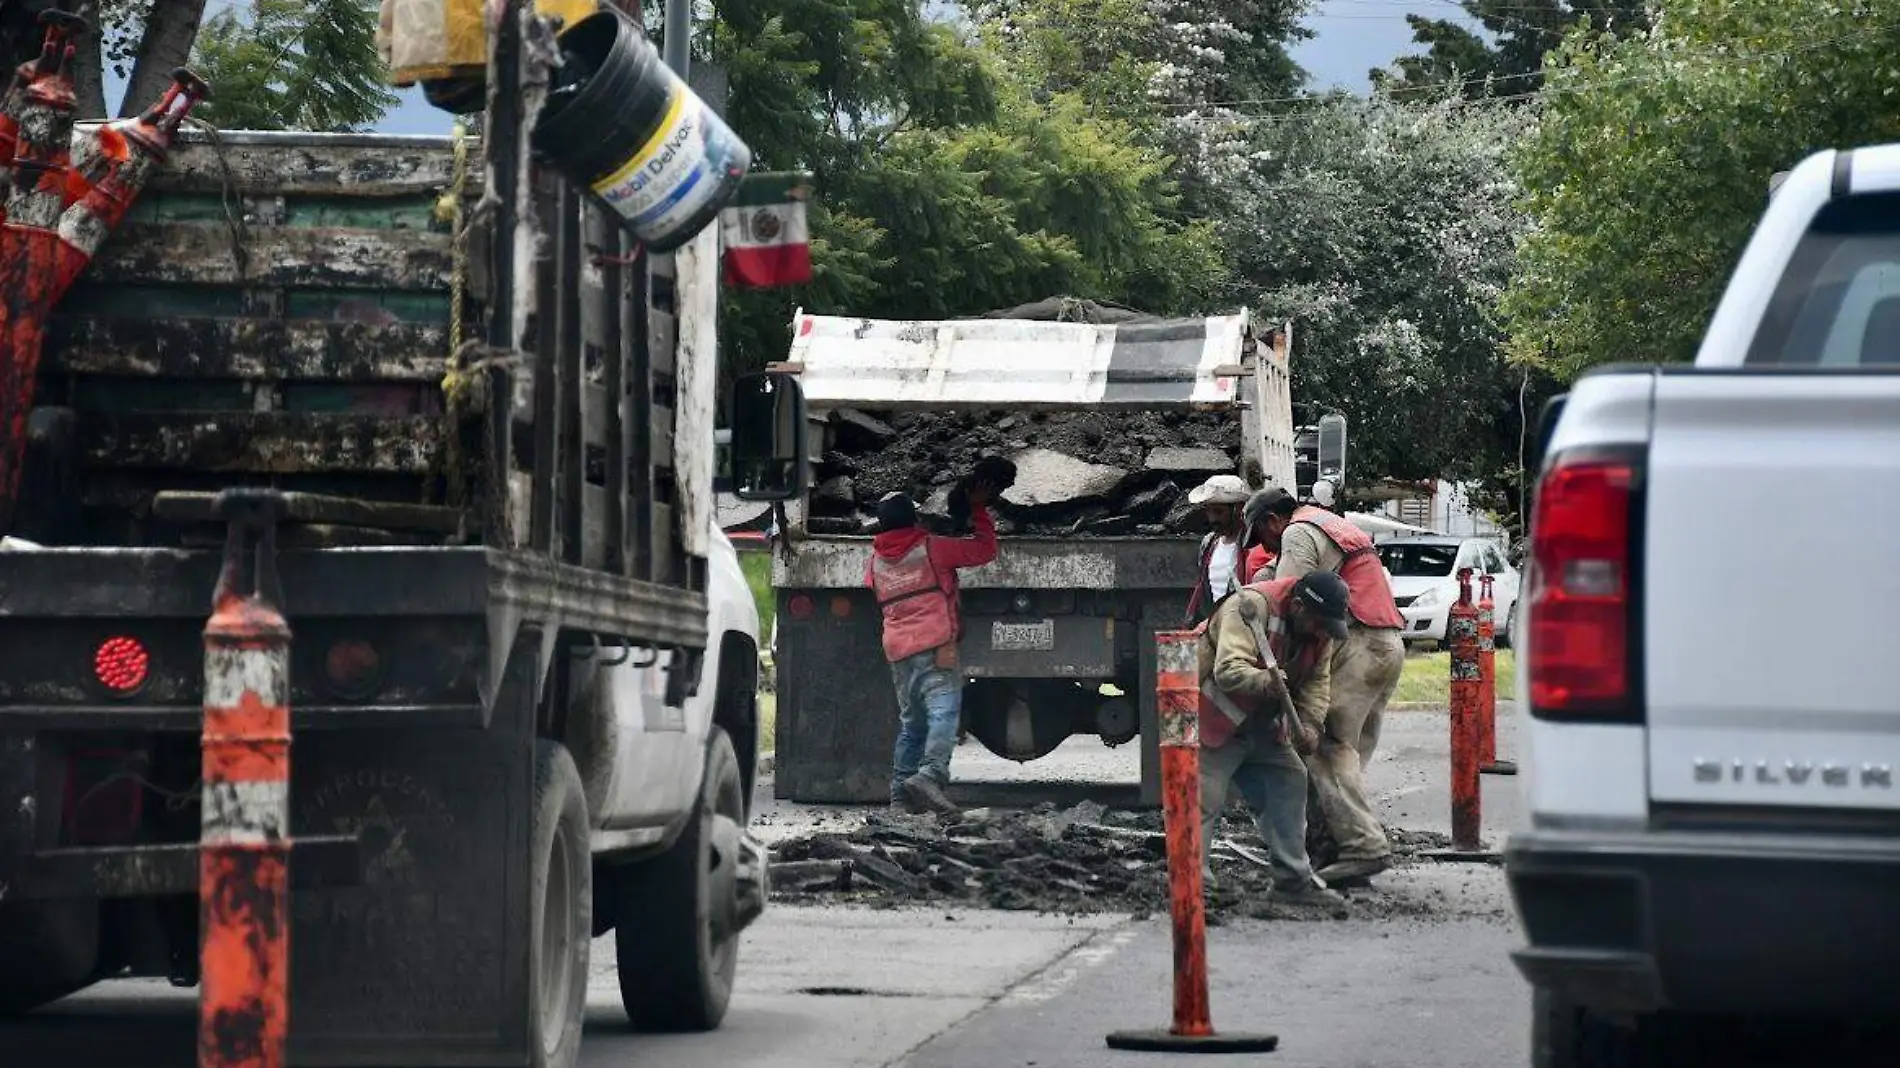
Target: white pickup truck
(1713, 674)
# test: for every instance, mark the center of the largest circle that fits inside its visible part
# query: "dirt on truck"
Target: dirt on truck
(523, 660)
(1101, 415)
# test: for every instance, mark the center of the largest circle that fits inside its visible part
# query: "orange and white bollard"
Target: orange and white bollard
(1177, 707)
(1467, 686)
(244, 840)
(1488, 762)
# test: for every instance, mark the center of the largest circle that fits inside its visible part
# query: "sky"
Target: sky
(1350, 38)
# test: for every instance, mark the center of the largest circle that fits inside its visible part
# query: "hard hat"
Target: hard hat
(1221, 489)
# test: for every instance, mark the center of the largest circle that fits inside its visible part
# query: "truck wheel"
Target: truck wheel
(680, 914)
(1567, 1035)
(563, 896)
(50, 949)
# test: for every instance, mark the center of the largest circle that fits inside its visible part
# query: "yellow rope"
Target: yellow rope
(449, 210)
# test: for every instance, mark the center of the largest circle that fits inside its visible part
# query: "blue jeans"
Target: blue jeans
(929, 704)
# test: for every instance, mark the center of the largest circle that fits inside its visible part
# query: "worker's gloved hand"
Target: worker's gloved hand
(1304, 738)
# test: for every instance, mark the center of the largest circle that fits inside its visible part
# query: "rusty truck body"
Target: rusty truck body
(1058, 633)
(524, 661)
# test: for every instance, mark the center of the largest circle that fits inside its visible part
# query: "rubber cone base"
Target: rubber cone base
(1163, 1041)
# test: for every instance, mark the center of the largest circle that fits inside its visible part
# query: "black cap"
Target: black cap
(1271, 500)
(1325, 595)
(895, 511)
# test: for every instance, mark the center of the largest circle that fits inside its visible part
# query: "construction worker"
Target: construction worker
(1365, 669)
(1266, 681)
(1219, 499)
(914, 576)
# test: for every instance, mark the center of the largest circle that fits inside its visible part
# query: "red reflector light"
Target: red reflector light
(1580, 593)
(840, 606)
(121, 665)
(354, 669)
(801, 607)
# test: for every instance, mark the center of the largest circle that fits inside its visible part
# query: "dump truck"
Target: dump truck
(479, 423)
(1058, 632)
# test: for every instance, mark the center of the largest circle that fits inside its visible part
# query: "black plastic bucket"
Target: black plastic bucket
(620, 122)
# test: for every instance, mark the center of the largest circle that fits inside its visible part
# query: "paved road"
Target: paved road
(842, 988)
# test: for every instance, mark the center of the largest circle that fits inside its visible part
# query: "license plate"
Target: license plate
(1039, 636)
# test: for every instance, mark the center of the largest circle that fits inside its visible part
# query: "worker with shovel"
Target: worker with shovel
(1266, 680)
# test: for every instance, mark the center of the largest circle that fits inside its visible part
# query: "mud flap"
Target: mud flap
(837, 711)
(426, 963)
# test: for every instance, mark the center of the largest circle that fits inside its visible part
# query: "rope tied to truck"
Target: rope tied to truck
(458, 382)
(227, 195)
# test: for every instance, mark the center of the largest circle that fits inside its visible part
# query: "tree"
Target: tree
(142, 40)
(1385, 231)
(1652, 158)
(1190, 78)
(945, 185)
(290, 65)
(1511, 62)
(295, 65)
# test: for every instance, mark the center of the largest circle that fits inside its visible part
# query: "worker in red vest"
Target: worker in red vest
(914, 576)
(1265, 662)
(1366, 667)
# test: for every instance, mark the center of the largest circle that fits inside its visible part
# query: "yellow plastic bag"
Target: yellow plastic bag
(432, 40)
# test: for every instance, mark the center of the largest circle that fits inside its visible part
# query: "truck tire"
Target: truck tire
(562, 894)
(1567, 1035)
(677, 954)
(48, 949)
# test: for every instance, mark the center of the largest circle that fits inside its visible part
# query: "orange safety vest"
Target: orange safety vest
(1370, 595)
(917, 615)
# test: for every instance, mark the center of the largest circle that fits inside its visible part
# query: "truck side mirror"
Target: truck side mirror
(769, 449)
(1332, 448)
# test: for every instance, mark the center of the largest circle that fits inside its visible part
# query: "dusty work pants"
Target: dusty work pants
(1366, 669)
(1269, 775)
(929, 705)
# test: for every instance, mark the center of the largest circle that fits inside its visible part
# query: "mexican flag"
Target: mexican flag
(765, 234)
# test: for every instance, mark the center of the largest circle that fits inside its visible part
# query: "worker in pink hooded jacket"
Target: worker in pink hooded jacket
(914, 576)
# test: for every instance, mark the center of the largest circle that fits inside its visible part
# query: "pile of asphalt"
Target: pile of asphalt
(1080, 474)
(1083, 859)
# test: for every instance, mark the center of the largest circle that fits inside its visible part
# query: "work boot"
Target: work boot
(925, 793)
(1354, 872)
(901, 806)
(1308, 893)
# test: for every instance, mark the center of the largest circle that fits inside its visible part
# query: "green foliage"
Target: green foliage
(946, 186)
(295, 65)
(1385, 231)
(1651, 164)
(1511, 63)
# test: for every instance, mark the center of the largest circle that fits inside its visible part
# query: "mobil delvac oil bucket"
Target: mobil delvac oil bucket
(620, 122)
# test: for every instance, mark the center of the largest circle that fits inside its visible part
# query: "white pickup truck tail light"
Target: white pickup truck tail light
(1582, 659)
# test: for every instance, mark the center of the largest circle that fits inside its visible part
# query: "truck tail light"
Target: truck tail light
(121, 664)
(840, 607)
(800, 606)
(1582, 632)
(353, 670)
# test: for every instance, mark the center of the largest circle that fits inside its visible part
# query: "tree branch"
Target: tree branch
(170, 30)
